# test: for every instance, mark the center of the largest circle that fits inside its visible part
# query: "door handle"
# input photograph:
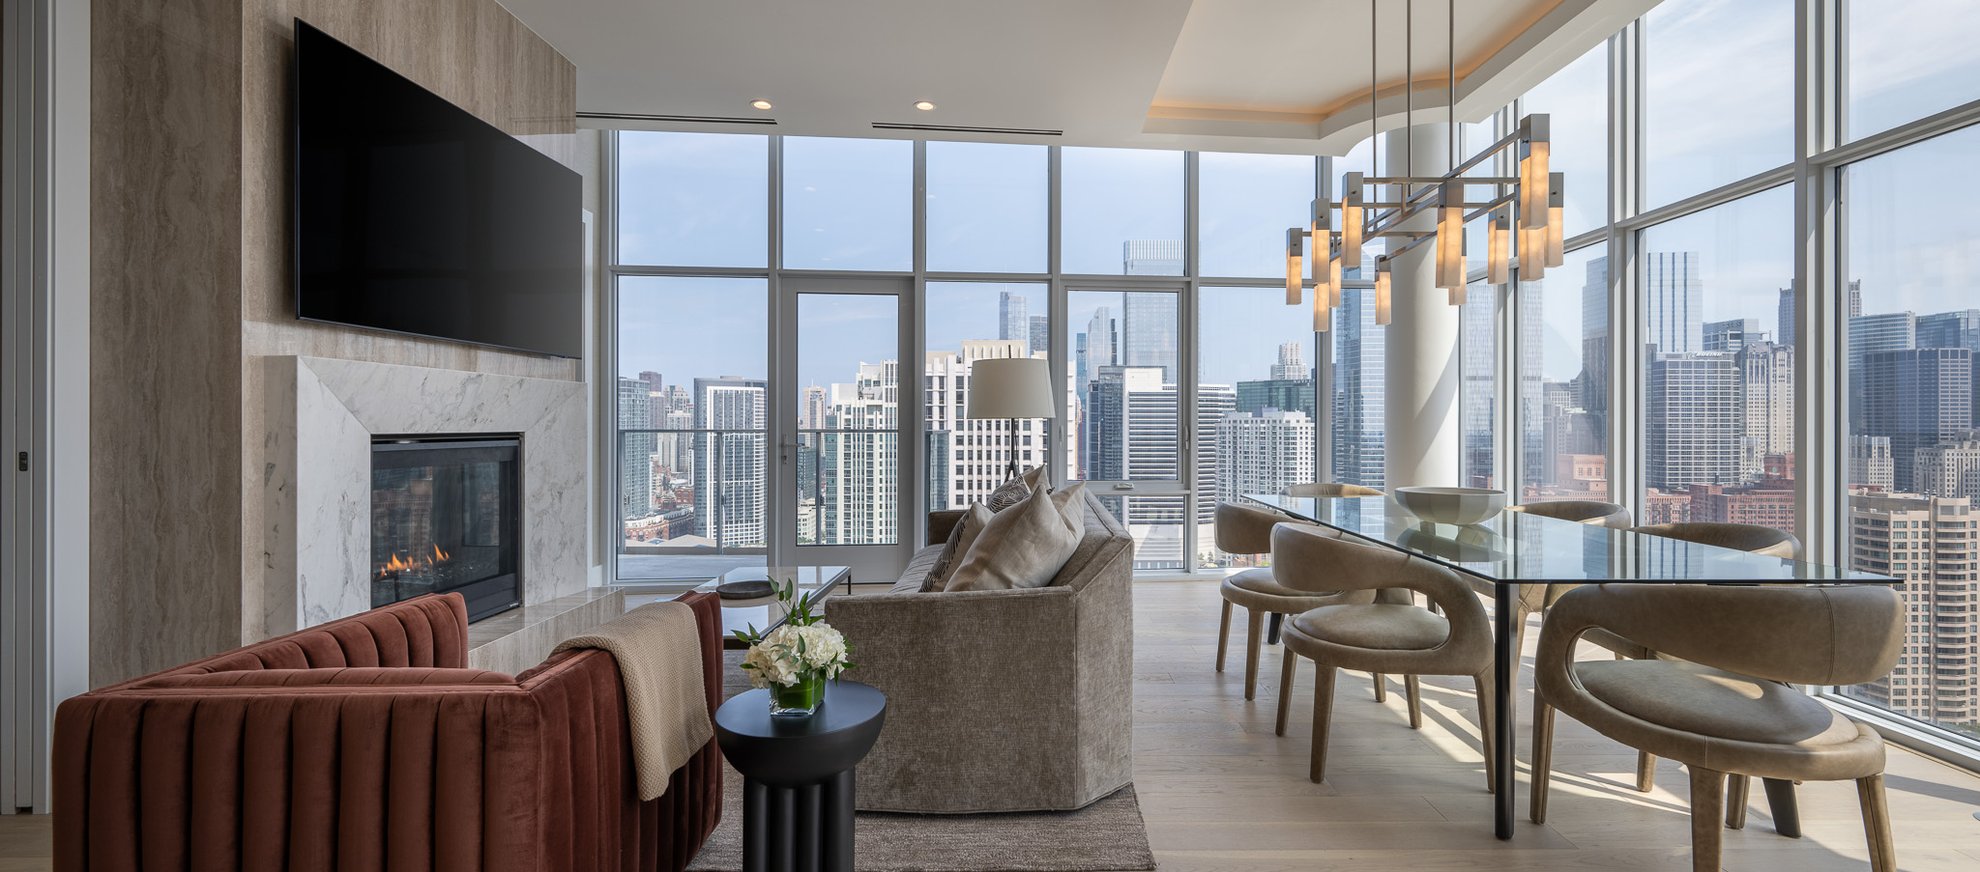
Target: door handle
(1123, 486)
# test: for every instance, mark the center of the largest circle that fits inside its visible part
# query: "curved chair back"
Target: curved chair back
(1739, 537)
(1315, 559)
(1327, 490)
(1593, 512)
(1799, 635)
(1247, 529)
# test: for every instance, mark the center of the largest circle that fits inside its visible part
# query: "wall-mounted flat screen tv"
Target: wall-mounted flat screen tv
(414, 216)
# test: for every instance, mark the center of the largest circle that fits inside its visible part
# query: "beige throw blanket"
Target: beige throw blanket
(658, 647)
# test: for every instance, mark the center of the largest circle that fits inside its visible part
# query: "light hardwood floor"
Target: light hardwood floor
(1220, 792)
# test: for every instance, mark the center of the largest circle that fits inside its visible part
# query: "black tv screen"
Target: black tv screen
(413, 216)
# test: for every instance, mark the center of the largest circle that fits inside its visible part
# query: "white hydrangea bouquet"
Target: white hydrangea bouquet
(796, 659)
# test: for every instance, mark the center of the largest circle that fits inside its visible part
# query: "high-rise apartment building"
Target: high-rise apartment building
(1932, 544)
(1674, 298)
(636, 449)
(1262, 453)
(1133, 433)
(1917, 398)
(1694, 412)
(1870, 464)
(1950, 468)
(857, 495)
(731, 464)
(1041, 334)
(1477, 398)
(1359, 455)
(968, 458)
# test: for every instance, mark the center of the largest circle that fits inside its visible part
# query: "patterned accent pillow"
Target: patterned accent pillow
(1009, 494)
(961, 536)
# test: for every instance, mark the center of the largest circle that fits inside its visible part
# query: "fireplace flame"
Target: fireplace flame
(413, 562)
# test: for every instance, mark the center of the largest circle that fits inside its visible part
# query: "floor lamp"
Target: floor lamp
(1011, 388)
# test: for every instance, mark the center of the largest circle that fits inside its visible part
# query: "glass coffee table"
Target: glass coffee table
(815, 585)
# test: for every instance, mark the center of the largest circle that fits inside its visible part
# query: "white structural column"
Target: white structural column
(1421, 421)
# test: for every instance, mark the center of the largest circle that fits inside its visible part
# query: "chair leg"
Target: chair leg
(1286, 672)
(1736, 786)
(1708, 798)
(1253, 637)
(1646, 771)
(1877, 823)
(1482, 683)
(1323, 715)
(1543, 760)
(1223, 635)
(1415, 692)
(1381, 686)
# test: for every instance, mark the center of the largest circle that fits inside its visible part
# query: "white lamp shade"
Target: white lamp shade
(1011, 387)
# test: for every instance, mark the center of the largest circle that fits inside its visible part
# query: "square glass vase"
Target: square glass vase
(797, 700)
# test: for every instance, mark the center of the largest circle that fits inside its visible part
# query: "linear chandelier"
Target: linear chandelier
(1523, 211)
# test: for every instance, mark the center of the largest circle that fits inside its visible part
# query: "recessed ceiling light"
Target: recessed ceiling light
(760, 104)
(924, 105)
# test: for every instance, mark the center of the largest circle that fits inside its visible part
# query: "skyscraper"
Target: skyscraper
(1870, 465)
(1785, 318)
(1958, 329)
(1152, 257)
(1013, 318)
(1290, 366)
(1477, 397)
(1148, 331)
(1262, 453)
(730, 465)
(1674, 297)
(857, 494)
(1732, 334)
(1870, 334)
(1767, 388)
(1931, 544)
(1950, 468)
(1041, 334)
(1359, 457)
(969, 457)
(1918, 398)
(1693, 415)
(636, 458)
(656, 393)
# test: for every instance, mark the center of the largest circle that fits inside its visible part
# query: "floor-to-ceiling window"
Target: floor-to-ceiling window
(1913, 315)
(1718, 368)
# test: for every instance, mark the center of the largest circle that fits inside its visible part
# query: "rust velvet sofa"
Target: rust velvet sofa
(367, 743)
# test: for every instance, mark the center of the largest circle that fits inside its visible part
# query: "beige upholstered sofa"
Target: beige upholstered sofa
(1001, 700)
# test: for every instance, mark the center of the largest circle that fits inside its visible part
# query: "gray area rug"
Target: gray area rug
(1103, 837)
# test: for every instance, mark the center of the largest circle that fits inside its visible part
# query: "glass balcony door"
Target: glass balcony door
(840, 431)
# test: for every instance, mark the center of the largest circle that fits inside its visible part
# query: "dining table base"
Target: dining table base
(1505, 668)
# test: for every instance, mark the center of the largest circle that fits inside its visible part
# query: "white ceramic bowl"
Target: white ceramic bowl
(1451, 505)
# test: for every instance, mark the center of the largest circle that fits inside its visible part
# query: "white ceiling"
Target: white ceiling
(1231, 75)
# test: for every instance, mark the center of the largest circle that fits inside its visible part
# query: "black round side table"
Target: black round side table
(798, 775)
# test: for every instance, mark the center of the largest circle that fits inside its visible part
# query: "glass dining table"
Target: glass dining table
(1512, 549)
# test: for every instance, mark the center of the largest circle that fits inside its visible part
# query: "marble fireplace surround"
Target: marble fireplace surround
(322, 414)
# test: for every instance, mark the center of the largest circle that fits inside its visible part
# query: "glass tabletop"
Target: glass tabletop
(1519, 548)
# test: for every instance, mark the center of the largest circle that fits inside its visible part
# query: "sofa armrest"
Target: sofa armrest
(366, 676)
(942, 522)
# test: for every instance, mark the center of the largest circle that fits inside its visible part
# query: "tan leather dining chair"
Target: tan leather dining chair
(1247, 530)
(1331, 489)
(1724, 707)
(1389, 635)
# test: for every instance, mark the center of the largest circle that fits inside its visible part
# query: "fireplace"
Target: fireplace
(444, 518)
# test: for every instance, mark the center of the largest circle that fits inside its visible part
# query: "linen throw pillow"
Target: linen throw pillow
(1024, 547)
(960, 537)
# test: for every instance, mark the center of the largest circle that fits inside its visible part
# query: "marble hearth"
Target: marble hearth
(322, 414)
